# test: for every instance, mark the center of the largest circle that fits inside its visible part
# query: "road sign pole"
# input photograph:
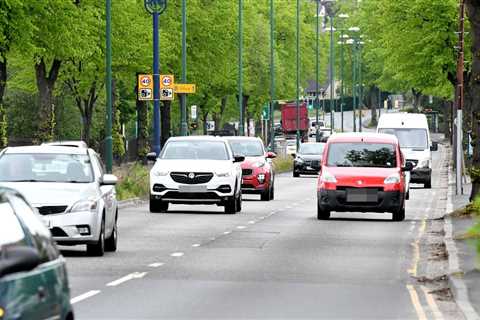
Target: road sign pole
(317, 69)
(298, 74)
(272, 75)
(240, 68)
(183, 97)
(332, 78)
(342, 76)
(156, 87)
(108, 64)
(354, 86)
(360, 88)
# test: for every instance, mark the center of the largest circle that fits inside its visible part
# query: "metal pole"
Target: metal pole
(272, 75)
(342, 93)
(240, 67)
(317, 71)
(360, 88)
(156, 86)
(354, 85)
(108, 66)
(183, 97)
(459, 151)
(298, 75)
(332, 79)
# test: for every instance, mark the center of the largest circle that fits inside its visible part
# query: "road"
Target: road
(274, 260)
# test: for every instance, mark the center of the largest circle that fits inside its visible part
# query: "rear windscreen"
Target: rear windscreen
(380, 155)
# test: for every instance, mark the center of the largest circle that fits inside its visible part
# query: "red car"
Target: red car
(257, 170)
(362, 172)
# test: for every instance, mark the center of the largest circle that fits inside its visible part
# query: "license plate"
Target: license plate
(362, 195)
(192, 189)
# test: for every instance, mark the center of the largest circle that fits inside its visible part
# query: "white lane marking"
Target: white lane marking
(128, 277)
(177, 254)
(416, 303)
(261, 218)
(213, 238)
(84, 296)
(196, 245)
(432, 304)
(156, 264)
(288, 207)
(227, 232)
(251, 222)
(241, 227)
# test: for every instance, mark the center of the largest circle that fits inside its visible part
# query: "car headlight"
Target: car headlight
(394, 178)
(160, 173)
(299, 160)
(84, 205)
(223, 173)
(328, 177)
(258, 164)
(424, 163)
(261, 178)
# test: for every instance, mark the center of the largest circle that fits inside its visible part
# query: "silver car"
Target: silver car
(71, 191)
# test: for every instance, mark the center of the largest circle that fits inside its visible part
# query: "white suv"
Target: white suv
(196, 170)
(70, 190)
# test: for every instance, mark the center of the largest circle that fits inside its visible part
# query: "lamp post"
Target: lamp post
(108, 87)
(156, 8)
(297, 100)
(317, 70)
(360, 83)
(240, 68)
(272, 74)
(331, 15)
(342, 42)
(354, 42)
(183, 96)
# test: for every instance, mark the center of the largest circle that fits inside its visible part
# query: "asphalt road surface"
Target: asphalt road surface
(273, 260)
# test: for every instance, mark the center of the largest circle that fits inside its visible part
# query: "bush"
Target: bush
(133, 181)
(283, 164)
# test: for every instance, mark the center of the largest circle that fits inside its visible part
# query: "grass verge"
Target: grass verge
(283, 164)
(133, 181)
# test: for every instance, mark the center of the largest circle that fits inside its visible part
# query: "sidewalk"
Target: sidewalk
(463, 257)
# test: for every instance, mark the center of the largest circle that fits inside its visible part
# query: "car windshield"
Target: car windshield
(311, 148)
(45, 167)
(409, 138)
(195, 150)
(381, 155)
(247, 148)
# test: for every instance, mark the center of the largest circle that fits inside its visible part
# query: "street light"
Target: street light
(156, 8)
(298, 75)
(272, 75)
(329, 7)
(108, 87)
(317, 71)
(354, 42)
(183, 96)
(343, 37)
(240, 67)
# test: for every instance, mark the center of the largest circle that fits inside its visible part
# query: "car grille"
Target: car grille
(57, 232)
(247, 172)
(46, 210)
(415, 162)
(198, 177)
(312, 163)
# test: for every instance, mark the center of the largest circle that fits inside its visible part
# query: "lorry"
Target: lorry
(289, 119)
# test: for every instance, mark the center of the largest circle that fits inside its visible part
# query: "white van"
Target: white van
(412, 131)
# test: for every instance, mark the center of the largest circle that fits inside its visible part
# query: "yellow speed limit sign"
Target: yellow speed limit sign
(145, 87)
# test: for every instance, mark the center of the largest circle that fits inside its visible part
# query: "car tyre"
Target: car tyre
(272, 193)
(428, 183)
(322, 214)
(231, 205)
(158, 206)
(98, 249)
(265, 195)
(111, 242)
(407, 196)
(399, 215)
(296, 174)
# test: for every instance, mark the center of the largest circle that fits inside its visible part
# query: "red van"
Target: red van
(362, 172)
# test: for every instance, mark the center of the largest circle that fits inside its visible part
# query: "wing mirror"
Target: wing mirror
(434, 146)
(152, 156)
(18, 259)
(408, 166)
(109, 180)
(238, 158)
(271, 155)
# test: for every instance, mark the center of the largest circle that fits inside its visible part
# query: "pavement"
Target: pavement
(464, 255)
(272, 260)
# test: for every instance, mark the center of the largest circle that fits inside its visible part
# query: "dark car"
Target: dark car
(33, 276)
(308, 158)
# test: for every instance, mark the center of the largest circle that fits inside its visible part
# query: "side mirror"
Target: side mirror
(238, 158)
(18, 259)
(434, 146)
(408, 166)
(271, 155)
(109, 180)
(152, 156)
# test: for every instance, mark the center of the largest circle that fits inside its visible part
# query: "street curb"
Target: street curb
(455, 273)
(129, 203)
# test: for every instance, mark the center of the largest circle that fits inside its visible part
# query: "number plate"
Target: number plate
(192, 189)
(362, 195)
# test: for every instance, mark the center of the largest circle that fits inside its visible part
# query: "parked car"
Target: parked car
(362, 172)
(196, 170)
(70, 189)
(307, 159)
(412, 131)
(258, 176)
(33, 275)
(312, 132)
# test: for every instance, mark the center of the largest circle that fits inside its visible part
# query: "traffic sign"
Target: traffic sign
(185, 88)
(145, 87)
(167, 81)
(166, 94)
(193, 110)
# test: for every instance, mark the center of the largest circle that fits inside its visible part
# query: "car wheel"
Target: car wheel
(265, 195)
(158, 206)
(111, 242)
(296, 174)
(238, 206)
(272, 192)
(428, 183)
(98, 249)
(230, 205)
(399, 215)
(322, 214)
(407, 196)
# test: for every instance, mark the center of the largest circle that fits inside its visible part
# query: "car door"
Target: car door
(108, 194)
(52, 291)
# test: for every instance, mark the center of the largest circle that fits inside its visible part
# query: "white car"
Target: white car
(70, 190)
(196, 170)
(312, 132)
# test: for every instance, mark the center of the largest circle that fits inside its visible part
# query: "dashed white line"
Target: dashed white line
(227, 232)
(128, 277)
(177, 254)
(156, 264)
(251, 222)
(241, 227)
(196, 245)
(84, 296)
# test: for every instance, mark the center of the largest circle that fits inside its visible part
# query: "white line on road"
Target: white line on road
(227, 232)
(251, 222)
(128, 277)
(416, 302)
(177, 254)
(241, 227)
(433, 305)
(196, 245)
(156, 264)
(84, 296)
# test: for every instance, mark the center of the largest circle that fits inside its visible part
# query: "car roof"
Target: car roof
(313, 143)
(363, 137)
(46, 150)
(67, 143)
(240, 138)
(402, 119)
(197, 138)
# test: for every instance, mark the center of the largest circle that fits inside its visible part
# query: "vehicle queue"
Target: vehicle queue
(60, 192)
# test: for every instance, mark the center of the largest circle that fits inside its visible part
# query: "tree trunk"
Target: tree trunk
(3, 113)
(246, 115)
(417, 99)
(142, 125)
(166, 121)
(218, 116)
(46, 85)
(373, 101)
(204, 122)
(473, 13)
(3, 76)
